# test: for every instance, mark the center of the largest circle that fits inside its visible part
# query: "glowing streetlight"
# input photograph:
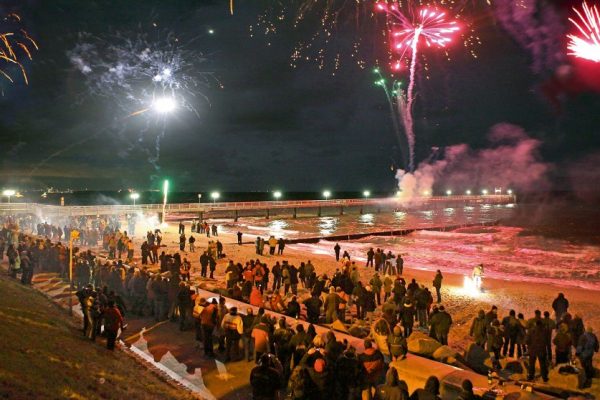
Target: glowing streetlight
(426, 193)
(509, 191)
(449, 192)
(9, 193)
(484, 192)
(468, 192)
(199, 197)
(277, 194)
(165, 192)
(134, 196)
(211, 31)
(164, 105)
(326, 194)
(367, 193)
(215, 196)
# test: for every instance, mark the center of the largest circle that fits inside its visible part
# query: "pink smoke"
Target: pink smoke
(511, 161)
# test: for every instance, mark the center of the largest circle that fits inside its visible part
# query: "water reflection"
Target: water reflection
(367, 219)
(328, 225)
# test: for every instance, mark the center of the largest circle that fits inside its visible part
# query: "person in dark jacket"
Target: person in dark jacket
(373, 366)
(536, 343)
(586, 347)
(562, 345)
(313, 308)
(431, 391)
(265, 379)
(437, 284)
(337, 249)
(407, 318)
(393, 389)
(440, 323)
(347, 375)
(560, 305)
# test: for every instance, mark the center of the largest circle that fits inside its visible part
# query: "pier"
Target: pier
(266, 209)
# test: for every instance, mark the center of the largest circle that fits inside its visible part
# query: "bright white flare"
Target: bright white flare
(164, 105)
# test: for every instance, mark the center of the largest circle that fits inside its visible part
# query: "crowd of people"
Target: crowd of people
(384, 311)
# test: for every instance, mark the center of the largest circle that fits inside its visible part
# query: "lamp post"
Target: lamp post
(468, 192)
(9, 193)
(277, 194)
(326, 194)
(134, 196)
(448, 192)
(199, 198)
(215, 196)
(74, 235)
(366, 194)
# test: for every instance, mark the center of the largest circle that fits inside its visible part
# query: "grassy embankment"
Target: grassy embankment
(43, 355)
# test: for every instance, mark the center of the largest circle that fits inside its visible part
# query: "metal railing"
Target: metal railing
(396, 202)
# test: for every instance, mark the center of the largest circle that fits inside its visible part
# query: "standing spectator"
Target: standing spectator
(376, 284)
(437, 284)
(239, 238)
(550, 326)
(264, 379)
(113, 321)
(208, 319)
(192, 241)
(181, 228)
(182, 242)
(586, 347)
(440, 323)
(560, 305)
(233, 326)
(562, 345)
(400, 264)
(337, 249)
(536, 343)
(393, 389)
(373, 366)
(370, 255)
(280, 246)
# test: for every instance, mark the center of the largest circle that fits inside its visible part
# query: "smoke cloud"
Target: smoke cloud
(511, 161)
(584, 175)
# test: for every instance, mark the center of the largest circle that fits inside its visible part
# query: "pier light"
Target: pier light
(426, 193)
(134, 196)
(484, 192)
(215, 196)
(449, 192)
(509, 191)
(9, 193)
(468, 192)
(367, 193)
(277, 194)
(326, 194)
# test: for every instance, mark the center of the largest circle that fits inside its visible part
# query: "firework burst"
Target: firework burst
(587, 44)
(15, 43)
(406, 33)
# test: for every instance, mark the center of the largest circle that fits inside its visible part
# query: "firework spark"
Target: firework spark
(406, 34)
(586, 46)
(138, 75)
(14, 43)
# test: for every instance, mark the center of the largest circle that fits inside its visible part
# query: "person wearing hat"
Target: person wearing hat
(332, 304)
(397, 344)
(466, 392)
(407, 317)
(233, 325)
(440, 322)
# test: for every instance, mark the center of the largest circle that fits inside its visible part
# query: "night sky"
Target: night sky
(270, 125)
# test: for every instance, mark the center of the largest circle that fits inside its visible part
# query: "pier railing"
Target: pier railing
(393, 202)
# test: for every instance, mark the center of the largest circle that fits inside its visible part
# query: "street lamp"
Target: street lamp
(509, 191)
(215, 196)
(134, 196)
(366, 193)
(277, 194)
(326, 194)
(199, 198)
(484, 192)
(8, 193)
(449, 192)
(468, 192)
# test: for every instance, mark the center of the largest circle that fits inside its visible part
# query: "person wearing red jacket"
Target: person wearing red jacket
(113, 320)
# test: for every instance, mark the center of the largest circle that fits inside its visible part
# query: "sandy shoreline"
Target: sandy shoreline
(524, 297)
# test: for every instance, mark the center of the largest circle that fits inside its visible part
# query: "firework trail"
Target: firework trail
(586, 46)
(14, 42)
(405, 33)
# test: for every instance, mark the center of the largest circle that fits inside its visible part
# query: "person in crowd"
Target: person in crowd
(586, 347)
(113, 321)
(265, 379)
